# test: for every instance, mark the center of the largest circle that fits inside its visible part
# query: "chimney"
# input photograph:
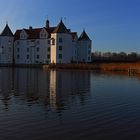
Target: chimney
(30, 27)
(47, 23)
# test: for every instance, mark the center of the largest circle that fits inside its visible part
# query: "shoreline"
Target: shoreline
(130, 67)
(114, 67)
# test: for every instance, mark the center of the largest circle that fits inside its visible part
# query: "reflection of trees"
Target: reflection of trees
(55, 89)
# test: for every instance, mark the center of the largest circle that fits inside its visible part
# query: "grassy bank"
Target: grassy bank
(129, 67)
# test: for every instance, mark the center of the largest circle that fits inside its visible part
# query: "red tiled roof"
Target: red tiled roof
(17, 34)
(50, 30)
(34, 33)
(74, 34)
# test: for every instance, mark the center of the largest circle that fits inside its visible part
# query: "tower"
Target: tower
(6, 46)
(84, 47)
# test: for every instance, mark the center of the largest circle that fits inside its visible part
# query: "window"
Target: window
(18, 56)
(37, 49)
(60, 48)
(89, 52)
(48, 41)
(48, 49)
(18, 49)
(37, 56)
(53, 41)
(18, 43)
(27, 56)
(27, 49)
(37, 42)
(88, 58)
(60, 56)
(89, 46)
(60, 40)
(48, 56)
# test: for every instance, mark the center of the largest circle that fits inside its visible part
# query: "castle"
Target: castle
(44, 45)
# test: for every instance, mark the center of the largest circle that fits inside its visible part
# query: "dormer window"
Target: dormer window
(43, 33)
(23, 36)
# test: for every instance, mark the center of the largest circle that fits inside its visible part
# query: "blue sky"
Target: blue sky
(113, 25)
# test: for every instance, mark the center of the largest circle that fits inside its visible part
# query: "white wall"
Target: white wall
(84, 51)
(53, 48)
(33, 46)
(6, 50)
(67, 51)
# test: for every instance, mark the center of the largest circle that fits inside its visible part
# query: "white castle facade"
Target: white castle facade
(44, 45)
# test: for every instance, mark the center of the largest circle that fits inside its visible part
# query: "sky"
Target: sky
(112, 25)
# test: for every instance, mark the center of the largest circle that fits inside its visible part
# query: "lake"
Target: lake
(68, 105)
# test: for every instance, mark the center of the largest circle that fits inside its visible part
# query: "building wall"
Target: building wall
(65, 52)
(6, 50)
(84, 51)
(33, 51)
(75, 51)
(53, 48)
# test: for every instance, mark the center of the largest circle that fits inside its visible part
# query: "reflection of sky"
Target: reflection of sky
(113, 25)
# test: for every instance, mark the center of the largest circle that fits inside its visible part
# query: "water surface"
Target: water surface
(68, 105)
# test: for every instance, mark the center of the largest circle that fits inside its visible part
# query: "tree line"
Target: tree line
(115, 57)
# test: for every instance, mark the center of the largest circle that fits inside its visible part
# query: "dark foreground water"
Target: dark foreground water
(68, 105)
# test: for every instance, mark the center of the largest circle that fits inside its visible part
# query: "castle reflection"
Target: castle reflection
(51, 88)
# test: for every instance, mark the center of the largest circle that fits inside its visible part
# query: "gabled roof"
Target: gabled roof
(34, 33)
(74, 34)
(61, 28)
(17, 34)
(7, 31)
(84, 37)
(50, 30)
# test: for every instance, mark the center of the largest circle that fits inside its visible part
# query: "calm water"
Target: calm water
(68, 105)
